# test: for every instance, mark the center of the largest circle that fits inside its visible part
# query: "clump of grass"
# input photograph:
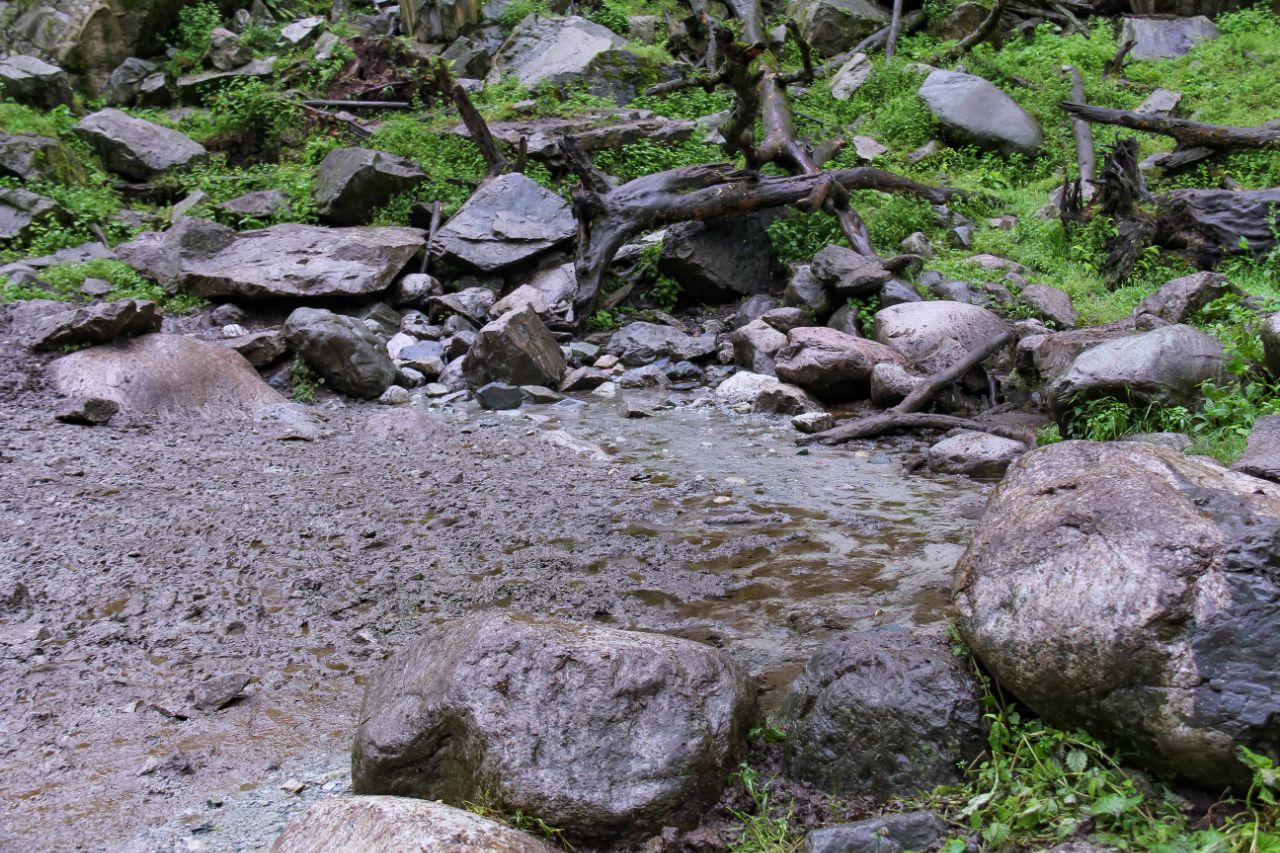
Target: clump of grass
(64, 283)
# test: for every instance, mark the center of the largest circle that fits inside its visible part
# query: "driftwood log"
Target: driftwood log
(890, 422)
(1189, 134)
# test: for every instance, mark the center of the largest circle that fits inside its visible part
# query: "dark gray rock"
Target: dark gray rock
(137, 149)
(263, 204)
(398, 824)
(974, 111)
(1165, 366)
(845, 319)
(833, 26)
(517, 349)
(894, 833)
(885, 714)
(897, 292)
(648, 376)
(1165, 37)
(599, 732)
(508, 220)
(638, 344)
(218, 692)
(1109, 586)
(786, 318)
(1261, 457)
(354, 182)
(1177, 300)
(342, 350)
(99, 323)
(92, 411)
(33, 81)
(1270, 334)
(499, 396)
(974, 454)
(226, 51)
(753, 308)
(718, 261)
(32, 158)
(1050, 304)
(847, 273)
(805, 291)
(164, 375)
(471, 305)
(261, 349)
(1218, 223)
(470, 56)
(831, 365)
(19, 210)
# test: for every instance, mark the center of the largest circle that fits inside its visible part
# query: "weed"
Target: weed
(767, 828)
(604, 321)
(306, 382)
(487, 805)
(64, 283)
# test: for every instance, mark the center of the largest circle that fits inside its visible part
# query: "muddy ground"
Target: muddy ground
(139, 559)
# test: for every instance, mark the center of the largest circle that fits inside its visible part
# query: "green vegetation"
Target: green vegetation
(66, 280)
(768, 827)
(306, 382)
(488, 806)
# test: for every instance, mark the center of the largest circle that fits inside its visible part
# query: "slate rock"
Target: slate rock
(262, 204)
(718, 261)
(847, 273)
(509, 219)
(1050, 304)
(261, 349)
(804, 290)
(641, 343)
(602, 733)
(92, 411)
(832, 26)
(219, 691)
(893, 833)
(1165, 37)
(1261, 457)
(226, 51)
(499, 396)
(975, 111)
(342, 350)
(516, 349)
(136, 149)
(30, 80)
(352, 183)
(30, 157)
(20, 209)
(99, 323)
(1178, 300)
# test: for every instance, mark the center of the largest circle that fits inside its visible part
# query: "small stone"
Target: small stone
(499, 396)
(394, 396)
(94, 411)
(435, 389)
(541, 394)
(606, 362)
(631, 409)
(95, 287)
(218, 692)
(811, 422)
(292, 786)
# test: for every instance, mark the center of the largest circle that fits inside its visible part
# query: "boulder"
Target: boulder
(1129, 590)
(833, 26)
(1213, 223)
(1176, 301)
(1048, 355)
(90, 411)
(753, 308)
(886, 714)
(499, 397)
(916, 329)
(352, 183)
(1049, 304)
(805, 291)
(637, 344)
(755, 345)
(262, 204)
(718, 261)
(893, 833)
(974, 454)
(1270, 334)
(509, 219)
(300, 32)
(29, 157)
(1165, 37)
(516, 349)
(29, 80)
(162, 375)
(1261, 457)
(136, 149)
(571, 52)
(891, 383)
(19, 210)
(524, 296)
(1164, 366)
(599, 732)
(226, 51)
(469, 57)
(595, 130)
(765, 394)
(261, 349)
(436, 21)
(847, 273)
(974, 111)
(831, 365)
(396, 825)
(99, 323)
(342, 350)
(288, 260)
(558, 286)
(849, 77)
(896, 292)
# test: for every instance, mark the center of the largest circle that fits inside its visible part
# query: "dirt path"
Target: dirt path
(136, 561)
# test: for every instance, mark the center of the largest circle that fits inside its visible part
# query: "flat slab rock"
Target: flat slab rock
(509, 219)
(99, 323)
(137, 149)
(293, 260)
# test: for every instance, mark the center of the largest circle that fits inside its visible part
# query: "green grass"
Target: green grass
(65, 281)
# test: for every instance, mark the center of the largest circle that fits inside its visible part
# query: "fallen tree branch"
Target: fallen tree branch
(437, 209)
(984, 29)
(1189, 134)
(1086, 156)
(895, 27)
(354, 126)
(919, 398)
(878, 425)
(355, 105)
(476, 126)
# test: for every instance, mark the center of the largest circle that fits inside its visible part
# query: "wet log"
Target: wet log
(477, 127)
(890, 422)
(1086, 156)
(1208, 225)
(1120, 189)
(919, 398)
(356, 105)
(1189, 134)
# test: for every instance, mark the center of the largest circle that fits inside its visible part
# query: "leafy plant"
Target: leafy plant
(306, 382)
(603, 321)
(766, 828)
(64, 283)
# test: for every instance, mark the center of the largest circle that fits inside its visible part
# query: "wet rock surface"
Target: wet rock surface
(510, 219)
(137, 149)
(977, 112)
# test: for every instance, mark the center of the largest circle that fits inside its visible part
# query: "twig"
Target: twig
(356, 105)
(918, 398)
(437, 209)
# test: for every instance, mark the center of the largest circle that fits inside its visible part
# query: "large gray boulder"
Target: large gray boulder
(341, 349)
(126, 80)
(1164, 366)
(137, 149)
(354, 182)
(765, 395)
(755, 345)
(1130, 590)
(571, 51)
(165, 375)
(508, 220)
(829, 364)
(99, 323)
(29, 157)
(396, 825)
(641, 343)
(1261, 457)
(19, 210)
(30, 80)
(599, 732)
(1165, 37)
(974, 454)
(1177, 300)
(885, 714)
(918, 329)
(288, 260)
(718, 261)
(833, 26)
(972, 110)
(516, 349)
